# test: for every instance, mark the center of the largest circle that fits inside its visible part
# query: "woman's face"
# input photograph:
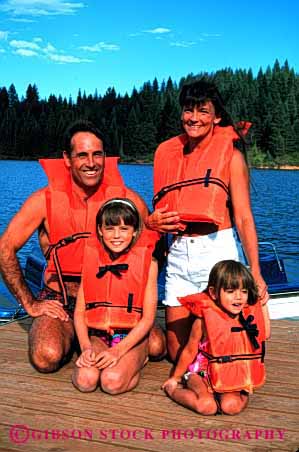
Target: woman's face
(199, 120)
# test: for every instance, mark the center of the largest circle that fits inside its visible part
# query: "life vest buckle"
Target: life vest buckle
(224, 359)
(67, 240)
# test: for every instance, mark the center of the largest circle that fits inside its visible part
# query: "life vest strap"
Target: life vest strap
(53, 248)
(250, 328)
(206, 180)
(108, 304)
(231, 358)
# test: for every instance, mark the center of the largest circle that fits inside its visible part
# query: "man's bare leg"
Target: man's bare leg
(50, 343)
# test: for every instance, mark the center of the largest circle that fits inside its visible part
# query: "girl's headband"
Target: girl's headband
(121, 201)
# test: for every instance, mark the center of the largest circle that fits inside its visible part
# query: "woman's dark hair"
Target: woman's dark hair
(200, 92)
(80, 125)
(229, 274)
(113, 211)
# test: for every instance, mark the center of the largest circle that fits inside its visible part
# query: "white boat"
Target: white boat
(284, 295)
(283, 303)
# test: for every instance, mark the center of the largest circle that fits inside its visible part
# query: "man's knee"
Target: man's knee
(46, 357)
(112, 382)
(85, 379)
(157, 343)
(49, 343)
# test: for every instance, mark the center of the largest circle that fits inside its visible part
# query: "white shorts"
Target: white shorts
(191, 259)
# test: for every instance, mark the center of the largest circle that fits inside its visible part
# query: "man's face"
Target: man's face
(86, 161)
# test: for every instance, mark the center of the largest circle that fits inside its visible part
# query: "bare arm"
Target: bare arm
(240, 195)
(162, 220)
(138, 333)
(29, 218)
(79, 320)
(87, 357)
(265, 312)
(188, 354)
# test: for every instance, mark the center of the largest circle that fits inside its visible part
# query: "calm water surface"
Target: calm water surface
(274, 194)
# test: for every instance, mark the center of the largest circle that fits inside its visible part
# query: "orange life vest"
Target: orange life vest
(69, 216)
(114, 290)
(195, 185)
(234, 347)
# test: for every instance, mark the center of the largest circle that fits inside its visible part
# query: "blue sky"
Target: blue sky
(64, 45)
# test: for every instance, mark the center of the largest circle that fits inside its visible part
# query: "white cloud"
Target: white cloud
(26, 52)
(67, 59)
(22, 20)
(2, 51)
(158, 30)
(24, 45)
(133, 35)
(48, 52)
(184, 44)
(49, 48)
(100, 46)
(4, 35)
(40, 7)
(211, 35)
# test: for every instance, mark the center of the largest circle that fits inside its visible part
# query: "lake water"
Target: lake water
(275, 202)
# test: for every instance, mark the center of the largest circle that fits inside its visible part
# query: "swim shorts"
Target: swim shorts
(191, 259)
(49, 294)
(108, 339)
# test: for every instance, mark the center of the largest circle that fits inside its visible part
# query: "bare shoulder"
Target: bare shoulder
(27, 220)
(238, 167)
(238, 159)
(36, 204)
(139, 201)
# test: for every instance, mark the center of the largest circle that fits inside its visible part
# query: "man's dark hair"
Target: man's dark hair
(80, 125)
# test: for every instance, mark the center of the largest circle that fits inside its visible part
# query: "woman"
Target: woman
(201, 186)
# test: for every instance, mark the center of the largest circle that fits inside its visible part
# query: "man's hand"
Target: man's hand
(163, 221)
(51, 308)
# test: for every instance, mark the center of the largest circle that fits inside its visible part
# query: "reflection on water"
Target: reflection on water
(275, 200)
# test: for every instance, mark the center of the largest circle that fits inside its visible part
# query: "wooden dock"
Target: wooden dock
(44, 412)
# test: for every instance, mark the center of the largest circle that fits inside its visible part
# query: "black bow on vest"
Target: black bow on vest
(115, 269)
(249, 327)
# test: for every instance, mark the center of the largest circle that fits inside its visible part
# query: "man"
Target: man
(66, 208)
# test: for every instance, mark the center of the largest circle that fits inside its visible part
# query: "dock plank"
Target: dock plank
(48, 403)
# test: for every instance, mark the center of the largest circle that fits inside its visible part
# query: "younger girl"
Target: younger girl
(117, 300)
(226, 344)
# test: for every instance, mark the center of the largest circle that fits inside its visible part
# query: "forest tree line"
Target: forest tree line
(135, 124)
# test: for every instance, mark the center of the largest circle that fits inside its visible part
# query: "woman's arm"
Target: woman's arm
(265, 312)
(240, 196)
